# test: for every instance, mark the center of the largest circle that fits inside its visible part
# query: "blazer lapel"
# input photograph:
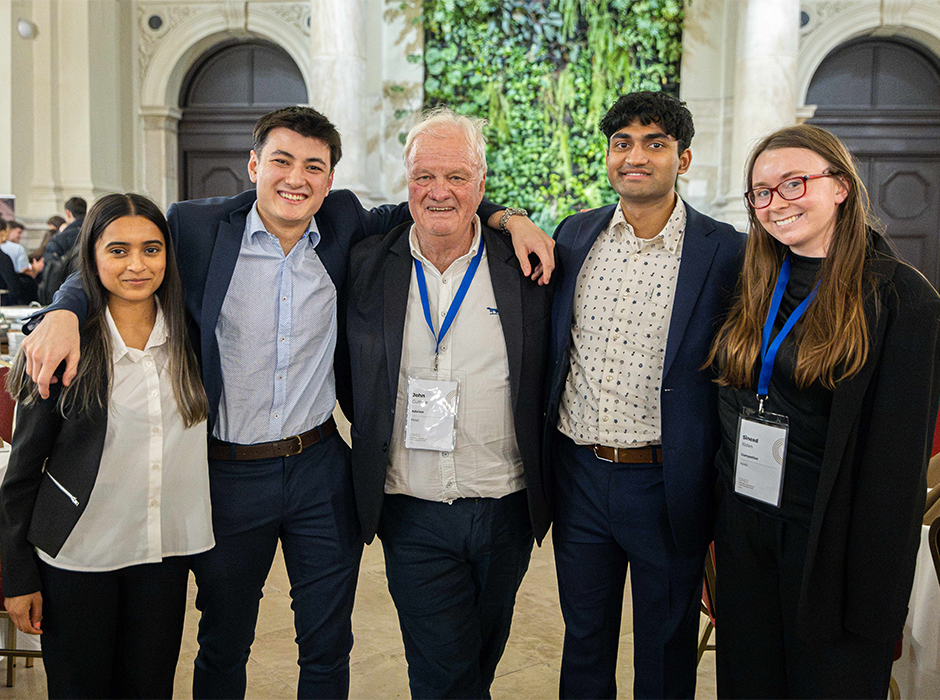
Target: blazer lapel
(573, 250)
(507, 288)
(228, 241)
(396, 285)
(698, 250)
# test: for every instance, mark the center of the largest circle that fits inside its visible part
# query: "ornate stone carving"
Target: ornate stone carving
(819, 12)
(293, 13)
(173, 15)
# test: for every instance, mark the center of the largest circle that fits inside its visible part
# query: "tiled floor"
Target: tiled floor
(529, 668)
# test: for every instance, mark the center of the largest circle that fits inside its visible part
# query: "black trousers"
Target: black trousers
(453, 571)
(759, 654)
(113, 634)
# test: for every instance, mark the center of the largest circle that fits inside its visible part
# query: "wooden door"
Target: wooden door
(882, 98)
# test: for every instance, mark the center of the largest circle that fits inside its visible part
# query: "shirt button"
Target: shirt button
(283, 338)
(443, 348)
(148, 363)
(154, 503)
(449, 485)
(283, 298)
(155, 466)
(156, 430)
(444, 454)
(636, 256)
(616, 336)
(605, 418)
(153, 393)
(610, 377)
(443, 314)
(444, 281)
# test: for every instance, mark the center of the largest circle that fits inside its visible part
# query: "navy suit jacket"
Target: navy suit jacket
(380, 277)
(711, 260)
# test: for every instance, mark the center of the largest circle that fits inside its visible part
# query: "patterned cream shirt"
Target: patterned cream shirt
(622, 308)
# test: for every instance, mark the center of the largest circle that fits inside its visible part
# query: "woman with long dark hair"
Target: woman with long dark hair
(828, 366)
(107, 493)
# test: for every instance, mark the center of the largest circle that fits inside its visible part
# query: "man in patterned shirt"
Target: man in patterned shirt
(632, 418)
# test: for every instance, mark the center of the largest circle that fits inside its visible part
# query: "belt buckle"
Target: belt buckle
(291, 448)
(616, 458)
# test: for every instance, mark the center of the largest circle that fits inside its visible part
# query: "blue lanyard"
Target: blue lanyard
(768, 347)
(454, 304)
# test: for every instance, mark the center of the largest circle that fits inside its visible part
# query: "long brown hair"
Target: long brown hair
(832, 337)
(92, 384)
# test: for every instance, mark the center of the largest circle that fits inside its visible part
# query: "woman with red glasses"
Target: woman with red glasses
(828, 366)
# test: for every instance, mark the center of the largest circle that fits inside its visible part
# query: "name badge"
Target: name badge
(760, 455)
(431, 423)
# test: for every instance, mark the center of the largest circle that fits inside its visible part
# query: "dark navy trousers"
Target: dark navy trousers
(306, 501)
(609, 516)
(453, 571)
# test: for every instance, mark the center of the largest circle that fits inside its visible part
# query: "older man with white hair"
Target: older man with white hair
(448, 343)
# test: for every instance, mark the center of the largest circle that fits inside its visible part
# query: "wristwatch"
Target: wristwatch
(504, 219)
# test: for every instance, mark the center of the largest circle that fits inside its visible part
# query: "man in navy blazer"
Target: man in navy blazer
(264, 275)
(632, 419)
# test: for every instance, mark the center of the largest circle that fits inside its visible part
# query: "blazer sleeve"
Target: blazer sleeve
(888, 503)
(37, 426)
(70, 297)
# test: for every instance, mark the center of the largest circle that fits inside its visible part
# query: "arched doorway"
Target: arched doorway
(224, 94)
(882, 98)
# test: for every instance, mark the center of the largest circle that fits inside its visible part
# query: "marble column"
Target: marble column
(6, 97)
(73, 70)
(338, 64)
(159, 162)
(765, 85)
(44, 190)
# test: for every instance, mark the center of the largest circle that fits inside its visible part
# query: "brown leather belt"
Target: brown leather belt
(651, 454)
(287, 447)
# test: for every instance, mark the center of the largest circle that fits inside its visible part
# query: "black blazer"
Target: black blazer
(380, 272)
(34, 510)
(711, 260)
(866, 523)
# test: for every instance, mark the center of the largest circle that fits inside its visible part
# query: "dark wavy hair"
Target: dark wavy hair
(92, 384)
(648, 107)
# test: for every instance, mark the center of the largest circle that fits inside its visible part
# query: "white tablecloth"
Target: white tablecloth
(918, 670)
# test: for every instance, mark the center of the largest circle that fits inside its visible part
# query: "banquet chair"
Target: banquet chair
(9, 650)
(6, 405)
(708, 603)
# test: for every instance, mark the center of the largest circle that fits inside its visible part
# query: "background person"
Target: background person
(815, 550)
(107, 491)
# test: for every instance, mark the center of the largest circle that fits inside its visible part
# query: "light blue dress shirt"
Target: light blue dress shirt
(17, 254)
(277, 334)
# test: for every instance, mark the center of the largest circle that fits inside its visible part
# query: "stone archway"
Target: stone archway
(167, 58)
(226, 91)
(882, 98)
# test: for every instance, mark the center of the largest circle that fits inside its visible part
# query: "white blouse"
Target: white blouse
(151, 497)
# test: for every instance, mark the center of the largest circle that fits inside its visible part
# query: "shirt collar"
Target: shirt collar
(474, 245)
(671, 234)
(254, 228)
(119, 349)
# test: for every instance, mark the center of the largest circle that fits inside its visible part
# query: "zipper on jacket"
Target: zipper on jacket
(63, 489)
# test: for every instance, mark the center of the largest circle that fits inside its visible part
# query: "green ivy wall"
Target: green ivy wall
(543, 72)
